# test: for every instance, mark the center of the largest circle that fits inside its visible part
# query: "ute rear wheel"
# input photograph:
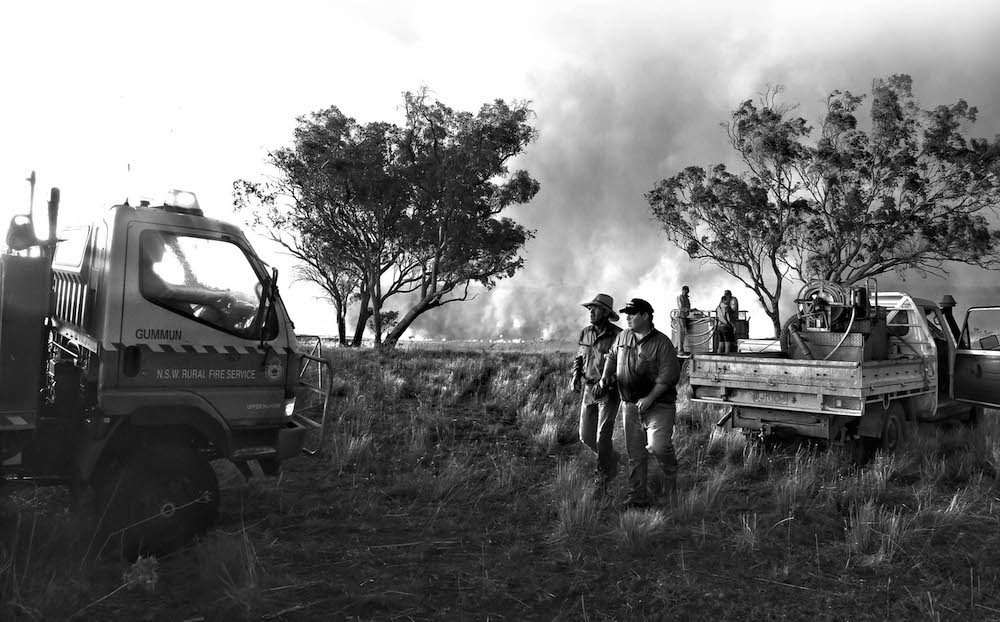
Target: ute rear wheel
(157, 501)
(896, 429)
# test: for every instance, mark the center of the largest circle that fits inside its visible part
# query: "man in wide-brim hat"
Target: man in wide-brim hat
(599, 409)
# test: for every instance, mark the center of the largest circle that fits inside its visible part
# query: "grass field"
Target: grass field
(452, 487)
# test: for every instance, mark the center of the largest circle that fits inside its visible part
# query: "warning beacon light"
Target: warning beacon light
(183, 202)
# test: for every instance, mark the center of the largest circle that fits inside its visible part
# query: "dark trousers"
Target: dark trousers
(648, 434)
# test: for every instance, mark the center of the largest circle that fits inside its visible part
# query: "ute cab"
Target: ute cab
(134, 351)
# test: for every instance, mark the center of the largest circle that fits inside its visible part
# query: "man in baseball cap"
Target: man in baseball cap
(645, 363)
(599, 408)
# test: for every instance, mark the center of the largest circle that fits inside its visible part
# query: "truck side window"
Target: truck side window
(898, 324)
(208, 280)
(982, 330)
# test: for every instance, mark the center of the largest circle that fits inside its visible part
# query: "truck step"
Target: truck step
(253, 453)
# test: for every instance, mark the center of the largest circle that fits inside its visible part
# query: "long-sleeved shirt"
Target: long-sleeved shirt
(641, 364)
(594, 345)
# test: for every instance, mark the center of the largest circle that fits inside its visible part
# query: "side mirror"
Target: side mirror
(21, 234)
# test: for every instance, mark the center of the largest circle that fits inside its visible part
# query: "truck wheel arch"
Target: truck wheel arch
(203, 426)
(181, 424)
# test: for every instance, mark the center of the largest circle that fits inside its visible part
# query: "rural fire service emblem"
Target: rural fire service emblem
(275, 369)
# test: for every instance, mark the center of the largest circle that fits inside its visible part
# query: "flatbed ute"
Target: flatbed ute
(855, 366)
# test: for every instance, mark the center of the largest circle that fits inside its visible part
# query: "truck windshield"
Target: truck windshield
(209, 280)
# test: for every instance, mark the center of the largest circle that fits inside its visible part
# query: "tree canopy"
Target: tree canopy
(374, 211)
(904, 189)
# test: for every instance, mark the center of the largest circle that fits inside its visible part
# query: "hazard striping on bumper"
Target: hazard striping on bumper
(196, 349)
(19, 421)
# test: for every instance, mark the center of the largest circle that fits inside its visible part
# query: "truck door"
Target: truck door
(977, 358)
(191, 323)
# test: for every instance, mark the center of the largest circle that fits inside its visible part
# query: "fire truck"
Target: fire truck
(136, 350)
(860, 367)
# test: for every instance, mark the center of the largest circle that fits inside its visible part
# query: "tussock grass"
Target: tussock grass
(230, 562)
(877, 534)
(577, 508)
(453, 482)
(639, 530)
(795, 491)
(746, 537)
(703, 497)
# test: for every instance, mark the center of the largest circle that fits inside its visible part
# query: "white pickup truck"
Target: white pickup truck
(860, 367)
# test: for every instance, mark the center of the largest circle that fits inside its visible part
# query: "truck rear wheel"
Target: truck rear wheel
(158, 500)
(895, 429)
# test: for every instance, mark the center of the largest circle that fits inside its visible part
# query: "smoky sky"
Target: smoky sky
(643, 96)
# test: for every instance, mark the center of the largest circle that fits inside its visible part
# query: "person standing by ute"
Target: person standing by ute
(725, 329)
(734, 304)
(599, 408)
(644, 361)
(683, 312)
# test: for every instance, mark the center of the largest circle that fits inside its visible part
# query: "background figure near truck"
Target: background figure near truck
(645, 363)
(599, 407)
(725, 330)
(734, 305)
(683, 311)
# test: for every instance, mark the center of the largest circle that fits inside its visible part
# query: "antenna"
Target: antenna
(31, 198)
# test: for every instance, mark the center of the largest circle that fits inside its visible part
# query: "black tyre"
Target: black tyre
(974, 417)
(895, 429)
(157, 501)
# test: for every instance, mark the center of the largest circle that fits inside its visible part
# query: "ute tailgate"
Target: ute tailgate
(831, 387)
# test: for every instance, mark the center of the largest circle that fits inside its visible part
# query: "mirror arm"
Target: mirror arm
(268, 299)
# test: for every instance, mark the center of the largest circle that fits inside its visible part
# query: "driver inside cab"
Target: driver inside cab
(208, 304)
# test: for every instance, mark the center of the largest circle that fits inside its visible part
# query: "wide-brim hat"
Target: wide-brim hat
(605, 302)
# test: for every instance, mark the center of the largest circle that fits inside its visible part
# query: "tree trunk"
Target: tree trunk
(376, 300)
(775, 322)
(342, 326)
(359, 329)
(415, 311)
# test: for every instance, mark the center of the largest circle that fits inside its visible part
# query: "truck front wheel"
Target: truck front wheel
(157, 501)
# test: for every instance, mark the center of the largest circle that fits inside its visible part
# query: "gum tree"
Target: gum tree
(413, 214)
(904, 189)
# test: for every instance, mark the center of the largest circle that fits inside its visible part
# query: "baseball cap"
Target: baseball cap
(637, 305)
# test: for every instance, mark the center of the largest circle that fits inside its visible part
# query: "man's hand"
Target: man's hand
(644, 404)
(576, 384)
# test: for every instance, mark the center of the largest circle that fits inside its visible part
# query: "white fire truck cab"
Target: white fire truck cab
(134, 351)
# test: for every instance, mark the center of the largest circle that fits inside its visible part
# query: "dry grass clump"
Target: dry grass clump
(230, 562)
(639, 530)
(703, 496)
(877, 534)
(577, 508)
(747, 536)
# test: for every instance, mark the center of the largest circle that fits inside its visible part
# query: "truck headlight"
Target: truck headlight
(289, 406)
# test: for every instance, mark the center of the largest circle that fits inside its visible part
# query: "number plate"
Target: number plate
(769, 397)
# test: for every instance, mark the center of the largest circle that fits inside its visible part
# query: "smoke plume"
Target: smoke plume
(632, 109)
